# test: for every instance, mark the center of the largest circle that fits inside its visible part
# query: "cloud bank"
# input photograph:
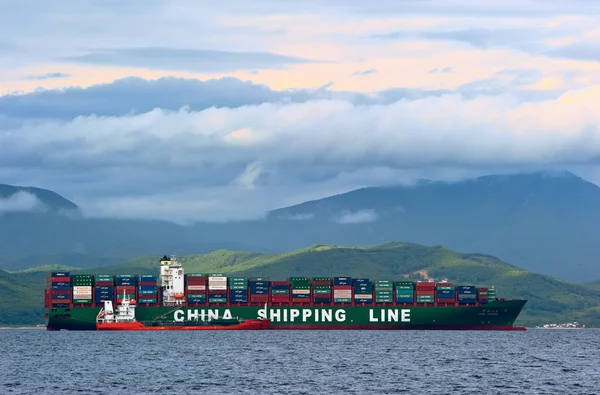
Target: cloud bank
(239, 162)
(19, 202)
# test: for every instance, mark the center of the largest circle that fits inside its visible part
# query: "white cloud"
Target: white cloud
(232, 163)
(357, 217)
(20, 201)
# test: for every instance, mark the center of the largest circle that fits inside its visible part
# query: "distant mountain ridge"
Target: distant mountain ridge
(51, 200)
(545, 222)
(549, 299)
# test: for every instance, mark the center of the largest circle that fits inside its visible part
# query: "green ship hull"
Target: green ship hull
(497, 315)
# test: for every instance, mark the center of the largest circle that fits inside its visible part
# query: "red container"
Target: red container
(259, 298)
(446, 300)
(104, 284)
(196, 281)
(300, 300)
(60, 291)
(60, 279)
(280, 299)
(149, 283)
(280, 283)
(443, 284)
(125, 287)
(321, 283)
(483, 289)
(195, 292)
(62, 301)
(342, 287)
(428, 292)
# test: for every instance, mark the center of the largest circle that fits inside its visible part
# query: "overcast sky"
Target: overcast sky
(223, 110)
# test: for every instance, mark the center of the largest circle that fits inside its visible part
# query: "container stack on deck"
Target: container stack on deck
(466, 294)
(195, 288)
(217, 288)
(125, 286)
(59, 285)
(104, 288)
(82, 289)
(445, 293)
(280, 292)
(64, 289)
(238, 290)
(321, 290)
(425, 292)
(384, 291)
(259, 290)
(147, 289)
(405, 292)
(342, 290)
(363, 290)
(300, 290)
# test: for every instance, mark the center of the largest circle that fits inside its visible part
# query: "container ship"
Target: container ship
(78, 301)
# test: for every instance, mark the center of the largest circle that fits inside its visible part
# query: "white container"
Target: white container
(210, 279)
(217, 287)
(301, 291)
(196, 287)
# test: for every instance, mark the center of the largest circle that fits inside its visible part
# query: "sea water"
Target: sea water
(300, 362)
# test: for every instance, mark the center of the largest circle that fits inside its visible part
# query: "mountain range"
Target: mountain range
(549, 299)
(543, 222)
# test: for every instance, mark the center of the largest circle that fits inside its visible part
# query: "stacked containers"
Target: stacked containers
(195, 288)
(147, 289)
(384, 291)
(363, 290)
(492, 294)
(59, 284)
(342, 290)
(238, 290)
(300, 289)
(405, 292)
(483, 295)
(321, 290)
(259, 290)
(425, 292)
(217, 288)
(445, 293)
(82, 288)
(280, 292)
(104, 288)
(467, 294)
(125, 286)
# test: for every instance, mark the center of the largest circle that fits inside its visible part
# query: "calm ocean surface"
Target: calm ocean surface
(300, 362)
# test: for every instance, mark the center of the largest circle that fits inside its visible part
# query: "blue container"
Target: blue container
(466, 289)
(238, 299)
(360, 280)
(446, 293)
(301, 296)
(259, 292)
(61, 284)
(342, 281)
(61, 287)
(125, 281)
(361, 288)
(263, 283)
(217, 296)
(404, 300)
(61, 297)
(322, 300)
(147, 277)
(60, 274)
(280, 287)
(147, 287)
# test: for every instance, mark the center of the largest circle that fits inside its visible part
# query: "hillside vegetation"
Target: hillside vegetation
(549, 299)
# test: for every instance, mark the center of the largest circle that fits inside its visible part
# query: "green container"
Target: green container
(125, 276)
(147, 300)
(294, 286)
(280, 291)
(327, 287)
(216, 275)
(444, 288)
(383, 282)
(342, 300)
(384, 293)
(82, 301)
(81, 276)
(321, 292)
(196, 275)
(321, 279)
(217, 300)
(144, 292)
(405, 287)
(129, 296)
(196, 296)
(404, 292)
(238, 287)
(298, 279)
(425, 299)
(234, 279)
(405, 284)
(383, 300)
